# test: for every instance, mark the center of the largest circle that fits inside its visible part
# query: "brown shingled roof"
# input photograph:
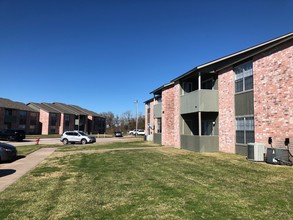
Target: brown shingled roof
(7, 103)
(42, 106)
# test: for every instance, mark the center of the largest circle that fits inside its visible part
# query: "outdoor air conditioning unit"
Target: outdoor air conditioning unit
(277, 155)
(255, 151)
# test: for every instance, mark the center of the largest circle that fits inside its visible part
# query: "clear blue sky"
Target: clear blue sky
(105, 54)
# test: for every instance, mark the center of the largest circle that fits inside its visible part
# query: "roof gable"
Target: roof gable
(221, 63)
(7, 103)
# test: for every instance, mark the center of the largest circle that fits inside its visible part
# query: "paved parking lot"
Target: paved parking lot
(33, 141)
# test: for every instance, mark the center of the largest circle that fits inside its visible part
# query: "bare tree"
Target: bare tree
(126, 119)
(126, 122)
(109, 118)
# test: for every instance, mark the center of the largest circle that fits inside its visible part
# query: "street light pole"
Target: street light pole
(136, 117)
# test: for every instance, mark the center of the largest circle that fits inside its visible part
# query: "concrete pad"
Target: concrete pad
(10, 172)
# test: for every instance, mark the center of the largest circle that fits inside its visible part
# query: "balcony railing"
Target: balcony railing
(158, 110)
(158, 138)
(200, 143)
(199, 101)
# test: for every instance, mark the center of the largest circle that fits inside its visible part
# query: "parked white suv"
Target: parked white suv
(132, 132)
(136, 132)
(76, 137)
(140, 132)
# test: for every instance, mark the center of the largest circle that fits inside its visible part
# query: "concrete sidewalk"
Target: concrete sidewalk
(10, 172)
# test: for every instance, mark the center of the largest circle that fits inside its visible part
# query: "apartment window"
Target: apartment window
(243, 77)
(244, 130)
(66, 120)
(8, 115)
(33, 118)
(22, 118)
(8, 118)
(53, 130)
(8, 112)
(53, 119)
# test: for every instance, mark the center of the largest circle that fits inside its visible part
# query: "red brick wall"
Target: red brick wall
(171, 116)
(273, 99)
(61, 127)
(152, 122)
(44, 119)
(168, 117)
(226, 111)
(273, 95)
(177, 114)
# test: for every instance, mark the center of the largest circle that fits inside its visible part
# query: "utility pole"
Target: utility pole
(136, 117)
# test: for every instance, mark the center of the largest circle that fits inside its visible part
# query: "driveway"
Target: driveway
(33, 141)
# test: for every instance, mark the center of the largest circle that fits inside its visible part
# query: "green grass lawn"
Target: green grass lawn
(161, 183)
(27, 149)
(116, 145)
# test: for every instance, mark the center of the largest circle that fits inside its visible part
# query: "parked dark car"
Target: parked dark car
(118, 134)
(7, 152)
(12, 134)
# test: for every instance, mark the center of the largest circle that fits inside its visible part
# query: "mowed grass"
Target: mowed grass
(161, 183)
(27, 149)
(99, 146)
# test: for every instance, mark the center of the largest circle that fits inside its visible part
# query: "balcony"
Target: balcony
(158, 138)
(200, 143)
(158, 110)
(199, 101)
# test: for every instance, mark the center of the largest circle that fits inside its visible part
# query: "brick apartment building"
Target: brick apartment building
(49, 118)
(245, 97)
(18, 115)
(55, 118)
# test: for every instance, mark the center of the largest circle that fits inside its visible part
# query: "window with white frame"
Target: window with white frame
(245, 130)
(243, 77)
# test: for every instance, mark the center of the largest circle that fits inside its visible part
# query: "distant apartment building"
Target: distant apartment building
(18, 115)
(49, 118)
(223, 105)
(55, 118)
